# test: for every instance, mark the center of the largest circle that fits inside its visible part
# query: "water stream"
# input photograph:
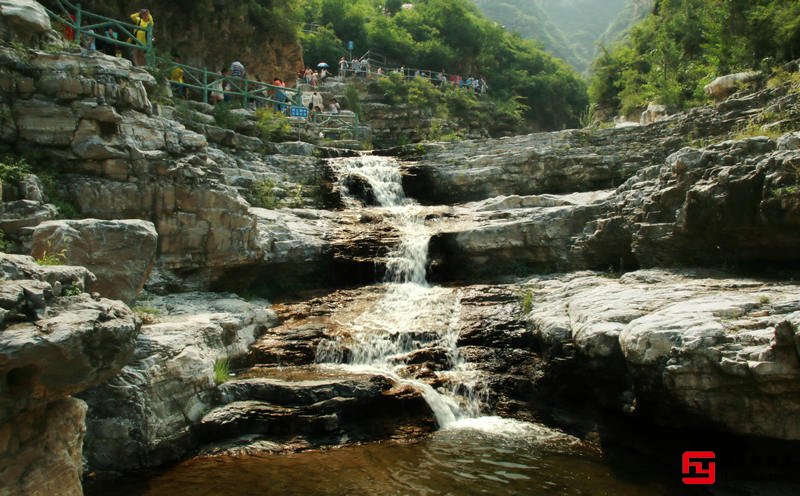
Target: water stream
(412, 315)
(470, 454)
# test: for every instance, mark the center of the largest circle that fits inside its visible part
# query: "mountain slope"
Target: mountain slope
(569, 29)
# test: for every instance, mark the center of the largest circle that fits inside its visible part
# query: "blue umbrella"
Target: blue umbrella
(323, 65)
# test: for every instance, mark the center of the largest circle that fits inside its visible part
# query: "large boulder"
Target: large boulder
(680, 349)
(22, 19)
(143, 417)
(120, 253)
(724, 86)
(52, 346)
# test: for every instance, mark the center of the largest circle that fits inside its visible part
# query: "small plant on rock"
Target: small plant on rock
(263, 195)
(149, 315)
(49, 257)
(526, 301)
(222, 370)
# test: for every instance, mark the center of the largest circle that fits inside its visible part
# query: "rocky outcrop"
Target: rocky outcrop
(120, 162)
(678, 348)
(143, 417)
(22, 20)
(724, 86)
(40, 449)
(568, 161)
(333, 410)
(119, 253)
(52, 346)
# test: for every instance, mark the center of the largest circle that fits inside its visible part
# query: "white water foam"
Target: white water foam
(412, 315)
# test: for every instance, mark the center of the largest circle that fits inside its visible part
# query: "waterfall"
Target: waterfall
(412, 316)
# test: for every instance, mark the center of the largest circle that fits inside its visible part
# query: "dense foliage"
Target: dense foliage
(684, 44)
(454, 36)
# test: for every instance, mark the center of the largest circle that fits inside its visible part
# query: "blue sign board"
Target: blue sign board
(297, 111)
(350, 45)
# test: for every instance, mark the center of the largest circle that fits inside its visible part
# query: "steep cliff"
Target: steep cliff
(214, 33)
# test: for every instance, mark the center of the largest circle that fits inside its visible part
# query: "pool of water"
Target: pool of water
(488, 455)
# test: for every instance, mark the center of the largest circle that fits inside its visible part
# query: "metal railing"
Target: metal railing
(205, 82)
(88, 24)
(340, 124)
(256, 92)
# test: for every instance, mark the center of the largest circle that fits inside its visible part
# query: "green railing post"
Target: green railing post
(205, 85)
(78, 24)
(151, 61)
(245, 93)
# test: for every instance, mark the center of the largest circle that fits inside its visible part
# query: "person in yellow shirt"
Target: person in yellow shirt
(176, 76)
(143, 19)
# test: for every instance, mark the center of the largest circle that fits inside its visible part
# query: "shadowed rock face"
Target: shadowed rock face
(52, 346)
(142, 417)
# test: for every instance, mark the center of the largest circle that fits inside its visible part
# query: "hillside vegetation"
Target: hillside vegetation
(450, 35)
(569, 29)
(684, 44)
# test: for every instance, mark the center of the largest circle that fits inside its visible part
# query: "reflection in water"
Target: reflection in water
(474, 456)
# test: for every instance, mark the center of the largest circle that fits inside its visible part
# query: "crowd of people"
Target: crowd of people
(225, 83)
(364, 68)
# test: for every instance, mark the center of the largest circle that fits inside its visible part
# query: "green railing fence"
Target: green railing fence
(202, 81)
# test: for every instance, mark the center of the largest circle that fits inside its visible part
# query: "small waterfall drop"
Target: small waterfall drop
(412, 316)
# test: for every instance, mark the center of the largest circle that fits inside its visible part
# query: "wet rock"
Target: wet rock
(143, 417)
(120, 253)
(326, 411)
(289, 346)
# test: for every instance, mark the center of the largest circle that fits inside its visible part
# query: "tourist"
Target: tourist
(143, 20)
(280, 96)
(323, 75)
(342, 67)
(176, 78)
(217, 89)
(334, 107)
(316, 102)
(314, 79)
(237, 70)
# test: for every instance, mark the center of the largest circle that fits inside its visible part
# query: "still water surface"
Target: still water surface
(476, 456)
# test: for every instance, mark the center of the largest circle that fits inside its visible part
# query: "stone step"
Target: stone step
(324, 405)
(303, 393)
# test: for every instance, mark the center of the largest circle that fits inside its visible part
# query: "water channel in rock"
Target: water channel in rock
(472, 452)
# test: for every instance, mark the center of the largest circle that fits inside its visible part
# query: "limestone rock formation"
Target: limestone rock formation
(325, 410)
(51, 347)
(119, 253)
(143, 416)
(22, 20)
(680, 348)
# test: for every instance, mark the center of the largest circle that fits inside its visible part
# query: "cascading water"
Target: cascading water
(412, 315)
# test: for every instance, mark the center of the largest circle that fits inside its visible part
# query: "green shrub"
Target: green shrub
(13, 169)
(225, 118)
(352, 100)
(263, 195)
(273, 126)
(49, 257)
(148, 314)
(5, 244)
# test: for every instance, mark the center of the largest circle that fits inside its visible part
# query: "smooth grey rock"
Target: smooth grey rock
(23, 18)
(67, 346)
(143, 417)
(120, 253)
